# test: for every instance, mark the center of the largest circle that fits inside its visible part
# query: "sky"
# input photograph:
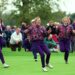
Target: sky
(65, 5)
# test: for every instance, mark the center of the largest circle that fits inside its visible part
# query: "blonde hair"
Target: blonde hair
(37, 19)
(56, 23)
(66, 19)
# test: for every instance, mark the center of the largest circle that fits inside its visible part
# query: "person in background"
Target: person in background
(73, 38)
(51, 28)
(50, 43)
(16, 40)
(25, 43)
(8, 34)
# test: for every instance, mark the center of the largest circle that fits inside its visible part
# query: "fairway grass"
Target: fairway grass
(22, 63)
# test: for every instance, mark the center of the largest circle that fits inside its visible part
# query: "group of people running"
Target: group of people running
(39, 39)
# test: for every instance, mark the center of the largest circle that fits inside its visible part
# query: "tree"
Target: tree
(32, 8)
(2, 6)
(72, 16)
(29, 9)
(57, 16)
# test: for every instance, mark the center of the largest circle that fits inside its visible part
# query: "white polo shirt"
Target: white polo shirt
(15, 38)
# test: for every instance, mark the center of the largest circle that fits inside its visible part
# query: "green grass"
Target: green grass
(22, 63)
